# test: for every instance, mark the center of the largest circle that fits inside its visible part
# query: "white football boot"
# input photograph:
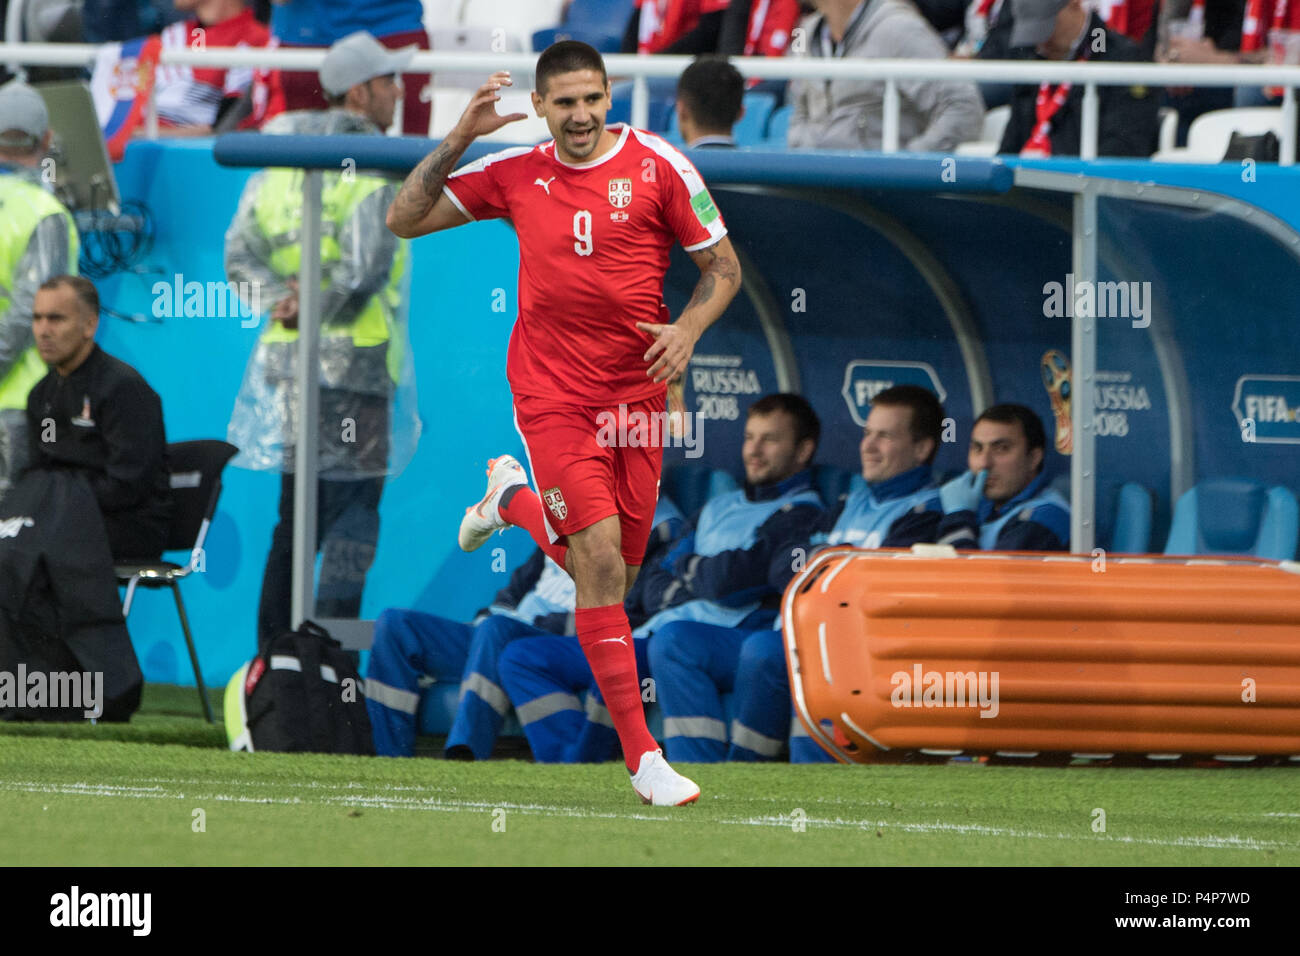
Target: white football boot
(482, 519)
(659, 784)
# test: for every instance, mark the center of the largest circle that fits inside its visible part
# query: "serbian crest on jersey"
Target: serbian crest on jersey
(555, 501)
(620, 193)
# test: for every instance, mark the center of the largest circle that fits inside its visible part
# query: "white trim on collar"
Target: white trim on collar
(622, 138)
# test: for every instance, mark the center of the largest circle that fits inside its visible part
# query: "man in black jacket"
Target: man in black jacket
(95, 414)
(1046, 119)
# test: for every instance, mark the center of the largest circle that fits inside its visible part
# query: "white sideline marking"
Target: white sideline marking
(375, 801)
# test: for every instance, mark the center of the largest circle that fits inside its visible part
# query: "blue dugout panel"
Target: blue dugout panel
(861, 272)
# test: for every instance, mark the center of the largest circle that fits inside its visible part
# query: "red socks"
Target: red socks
(606, 640)
(521, 507)
(603, 632)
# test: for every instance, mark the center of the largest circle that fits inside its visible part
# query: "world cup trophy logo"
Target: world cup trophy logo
(1056, 379)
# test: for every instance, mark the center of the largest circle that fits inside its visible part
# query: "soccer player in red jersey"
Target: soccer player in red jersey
(597, 211)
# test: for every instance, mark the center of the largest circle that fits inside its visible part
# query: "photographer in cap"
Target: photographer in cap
(363, 352)
(38, 240)
(1046, 118)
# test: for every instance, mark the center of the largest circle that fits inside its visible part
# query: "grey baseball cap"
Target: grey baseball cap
(22, 111)
(359, 57)
(1034, 20)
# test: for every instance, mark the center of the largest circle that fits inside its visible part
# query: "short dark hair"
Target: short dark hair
(806, 422)
(567, 56)
(927, 412)
(84, 290)
(1008, 413)
(713, 91)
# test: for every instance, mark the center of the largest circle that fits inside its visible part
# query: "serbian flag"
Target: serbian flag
(121, 83)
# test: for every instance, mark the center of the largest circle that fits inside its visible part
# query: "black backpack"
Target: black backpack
(300, 694)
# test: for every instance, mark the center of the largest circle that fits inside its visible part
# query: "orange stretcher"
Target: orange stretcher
(1024, 654)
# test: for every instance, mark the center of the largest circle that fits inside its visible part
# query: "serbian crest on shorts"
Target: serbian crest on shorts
(555, 501)
(620, 193)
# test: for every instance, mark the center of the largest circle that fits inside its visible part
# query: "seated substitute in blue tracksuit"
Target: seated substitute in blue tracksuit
(411, 646)
(1003, 503)
(716, 572)
(693, 664)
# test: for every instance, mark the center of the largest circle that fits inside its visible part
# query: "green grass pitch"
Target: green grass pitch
(129, 795)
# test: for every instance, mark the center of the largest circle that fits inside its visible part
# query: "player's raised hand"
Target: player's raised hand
(481, 116)
(671, 350)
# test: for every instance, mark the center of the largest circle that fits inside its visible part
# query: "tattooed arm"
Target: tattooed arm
(421, 207)
(718, 285)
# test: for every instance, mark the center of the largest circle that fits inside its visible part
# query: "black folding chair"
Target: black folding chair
(196, 468)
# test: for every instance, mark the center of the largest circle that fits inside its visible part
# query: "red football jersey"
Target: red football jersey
(594, 241)
(664, 22)
(770, 24)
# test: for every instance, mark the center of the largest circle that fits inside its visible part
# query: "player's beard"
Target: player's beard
(586, 149)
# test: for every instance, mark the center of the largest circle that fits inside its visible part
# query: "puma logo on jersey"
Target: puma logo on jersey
(614, 640)
(544, 183)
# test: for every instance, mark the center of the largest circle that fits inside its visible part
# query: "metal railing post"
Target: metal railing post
(1083, 358)
(305, 463)
(1089, 120)
(1287, 152)
(640, 102)
(889, 127)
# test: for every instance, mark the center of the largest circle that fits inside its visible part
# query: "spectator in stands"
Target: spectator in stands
(934, 115)
(1242, 31)
(361, 266)
(1003, 503)
(539, 600)
(96, 415)
(947, 17)
(715, 573)
(397, 24)
(987, 36)
(1046, 118)
(758, 27)
(710, 101)
(191, 101)
(674, 26)
(39, 241)
(693, 664)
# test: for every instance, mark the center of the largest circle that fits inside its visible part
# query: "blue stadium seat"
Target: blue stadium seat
(831, 482)
(751, 129)
(600, 16)
(672, 133)
(692, 485)
(1131, 533)
(604, 42)
(662, 99)
(1235, 516)
(778, 123)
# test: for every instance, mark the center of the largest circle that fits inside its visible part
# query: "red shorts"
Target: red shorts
(587, 468)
